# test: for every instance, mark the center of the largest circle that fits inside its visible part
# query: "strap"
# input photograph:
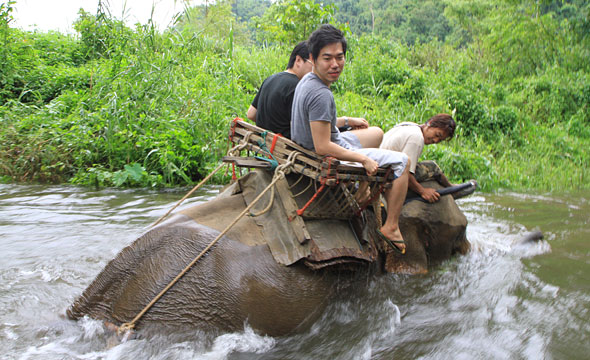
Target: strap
(274, 142)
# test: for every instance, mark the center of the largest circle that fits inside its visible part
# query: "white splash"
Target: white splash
(247, 341)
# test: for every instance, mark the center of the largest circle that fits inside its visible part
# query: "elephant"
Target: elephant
(239, 279)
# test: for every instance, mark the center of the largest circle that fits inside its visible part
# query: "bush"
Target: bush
(504, 119)
(471, 112)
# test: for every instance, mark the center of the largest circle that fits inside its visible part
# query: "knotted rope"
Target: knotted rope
(280, 172)
(290, 159)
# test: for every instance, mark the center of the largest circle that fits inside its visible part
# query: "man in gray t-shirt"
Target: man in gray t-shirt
(315, 101)
(314, 126)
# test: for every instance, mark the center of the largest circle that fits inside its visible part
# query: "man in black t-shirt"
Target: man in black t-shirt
(271, 108)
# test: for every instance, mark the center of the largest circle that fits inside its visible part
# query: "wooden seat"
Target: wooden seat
(342, 201)
(309, 163)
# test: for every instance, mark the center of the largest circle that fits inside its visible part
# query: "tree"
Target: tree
(245, 10)
(290, 21)
(214, 20)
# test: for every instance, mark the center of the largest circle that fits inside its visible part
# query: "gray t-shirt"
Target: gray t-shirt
(313, 101)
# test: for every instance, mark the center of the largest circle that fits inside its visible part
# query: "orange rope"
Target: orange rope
(300, 211)
(274, 142)
(323, 182)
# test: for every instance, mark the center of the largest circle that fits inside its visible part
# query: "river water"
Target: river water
(503, 300)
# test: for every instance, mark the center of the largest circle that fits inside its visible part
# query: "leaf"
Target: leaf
(119, 178)
(135, 171)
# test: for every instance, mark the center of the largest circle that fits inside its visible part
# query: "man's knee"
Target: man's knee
(370, 137)
(377, 132)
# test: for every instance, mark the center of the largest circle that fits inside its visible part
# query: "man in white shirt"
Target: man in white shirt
(410, 139)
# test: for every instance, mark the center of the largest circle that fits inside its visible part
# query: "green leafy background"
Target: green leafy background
(114, 105)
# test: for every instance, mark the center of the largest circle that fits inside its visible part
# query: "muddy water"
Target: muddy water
(504, 300)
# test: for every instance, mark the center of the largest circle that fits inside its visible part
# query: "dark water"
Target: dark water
(504, 300)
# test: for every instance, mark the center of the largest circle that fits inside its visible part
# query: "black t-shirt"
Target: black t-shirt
(273, 103)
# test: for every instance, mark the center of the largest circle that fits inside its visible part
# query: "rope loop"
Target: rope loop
(235, 151)
(285, 168)
(125, 327)
(280, 172)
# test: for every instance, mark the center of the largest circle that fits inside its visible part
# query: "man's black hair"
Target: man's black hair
(325, 35)
(300, 49)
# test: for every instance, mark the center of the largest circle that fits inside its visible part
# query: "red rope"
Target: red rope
(300, 211)
(233, 128)
(274, 142)
(323, 182)
(231, 138)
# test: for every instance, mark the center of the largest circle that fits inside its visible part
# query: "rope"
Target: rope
(265, 210)
(273, 163)
(306, 188)
(262, 144)
(234, 150)
(291, 160)
(274, 142)
(323, 182)
(188, 194)
(279, 174)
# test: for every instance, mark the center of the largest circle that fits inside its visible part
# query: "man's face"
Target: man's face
(434, 135)
(329, 63)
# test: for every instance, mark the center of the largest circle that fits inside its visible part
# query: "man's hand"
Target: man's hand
(370, 165)
(430, 195)
(358, 123)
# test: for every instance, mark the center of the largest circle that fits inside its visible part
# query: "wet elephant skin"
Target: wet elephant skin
(232, 283)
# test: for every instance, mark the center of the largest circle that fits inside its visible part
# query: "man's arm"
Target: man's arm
(427, 194)
(355, 123)
(251, 113)
(321, 131)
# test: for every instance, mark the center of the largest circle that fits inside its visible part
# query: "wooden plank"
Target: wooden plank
(290, 206)
(284, 140)
(248, 162)
(284, 147)
(282, 158)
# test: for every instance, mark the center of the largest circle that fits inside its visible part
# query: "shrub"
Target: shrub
(504, 119)
(471, 113)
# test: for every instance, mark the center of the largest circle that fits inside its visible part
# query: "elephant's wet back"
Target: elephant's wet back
(232, 284)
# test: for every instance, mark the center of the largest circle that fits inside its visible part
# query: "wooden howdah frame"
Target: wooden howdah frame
(260, 148)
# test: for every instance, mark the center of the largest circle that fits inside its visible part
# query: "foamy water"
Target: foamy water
(505, 299)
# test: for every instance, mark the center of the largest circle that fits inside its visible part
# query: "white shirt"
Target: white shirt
(405, 137)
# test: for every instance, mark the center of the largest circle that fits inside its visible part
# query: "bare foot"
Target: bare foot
(395, 236)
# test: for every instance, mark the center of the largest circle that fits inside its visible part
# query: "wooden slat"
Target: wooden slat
(331, 171)
(344, 171)
(248, 162)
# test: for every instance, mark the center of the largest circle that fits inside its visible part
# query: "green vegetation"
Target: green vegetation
(121, 106)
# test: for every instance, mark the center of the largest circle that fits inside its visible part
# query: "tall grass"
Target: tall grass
(135, 107)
